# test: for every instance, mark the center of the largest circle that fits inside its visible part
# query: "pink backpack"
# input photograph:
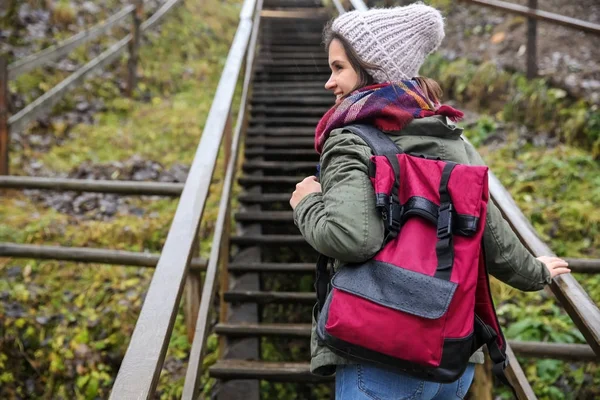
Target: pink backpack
(422, 304)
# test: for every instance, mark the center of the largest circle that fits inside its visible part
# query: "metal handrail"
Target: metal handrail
(65, 47)
(140, 370)
(46, 101)
(533, 15)
(580, 307)
(219, 247)
(339, 7)
(359, 5)
(161, 12)
(87, 255)
(546, 16)
(140, 188)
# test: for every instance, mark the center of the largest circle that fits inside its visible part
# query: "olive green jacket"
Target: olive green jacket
(342, 222)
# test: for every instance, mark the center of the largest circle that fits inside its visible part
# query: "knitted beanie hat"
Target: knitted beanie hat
(395, 39)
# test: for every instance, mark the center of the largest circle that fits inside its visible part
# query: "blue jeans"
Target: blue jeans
(368, 382)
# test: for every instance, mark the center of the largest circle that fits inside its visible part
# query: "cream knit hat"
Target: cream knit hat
(395, 39)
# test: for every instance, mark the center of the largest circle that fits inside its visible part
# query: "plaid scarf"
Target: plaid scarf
(389, 107)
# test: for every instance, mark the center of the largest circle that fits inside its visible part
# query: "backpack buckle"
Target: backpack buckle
(444, 222)
(395, 217)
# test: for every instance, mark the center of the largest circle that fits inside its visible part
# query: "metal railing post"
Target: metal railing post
(134, 47)
(224, 258)
(532, 42)
(193, 294)
(4, 128)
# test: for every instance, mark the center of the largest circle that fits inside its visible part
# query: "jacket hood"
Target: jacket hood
(437, 126)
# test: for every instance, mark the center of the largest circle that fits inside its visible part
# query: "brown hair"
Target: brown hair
(431, 89)
(361, 67)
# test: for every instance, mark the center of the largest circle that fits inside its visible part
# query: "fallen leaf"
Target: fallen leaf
(498, 37)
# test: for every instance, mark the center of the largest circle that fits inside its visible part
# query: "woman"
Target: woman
(337, 216)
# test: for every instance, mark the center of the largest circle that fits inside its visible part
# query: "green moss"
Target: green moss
(63, 13)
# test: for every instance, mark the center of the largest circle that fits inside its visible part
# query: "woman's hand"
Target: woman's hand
(307, 186)
(556, 266)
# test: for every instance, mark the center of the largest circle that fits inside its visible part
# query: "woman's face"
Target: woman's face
(343, 77)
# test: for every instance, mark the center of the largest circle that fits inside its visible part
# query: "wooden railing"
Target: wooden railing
(139, 372)
(533, 14)
(44, 103)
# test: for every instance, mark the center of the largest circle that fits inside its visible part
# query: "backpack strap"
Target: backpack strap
(382, 145)
(378, 141)
(444, 247)
(322, 281)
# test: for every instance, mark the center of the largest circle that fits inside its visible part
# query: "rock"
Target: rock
(108, 207)
(30, 386)
(89, 7)
(82, 106)
(137, 211)
(14, 272)
(14, 310)
(144, 175)
(498, 37)
(61, 202)
(24, 14)
(99, 205)
(68, 296)
(180, 172)
(85, 202)
(37, 31)
(591, 84)
(35, 140)
(571, 81)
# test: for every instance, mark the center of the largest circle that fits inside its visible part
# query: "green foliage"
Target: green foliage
(515, 98)
(484, 127)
